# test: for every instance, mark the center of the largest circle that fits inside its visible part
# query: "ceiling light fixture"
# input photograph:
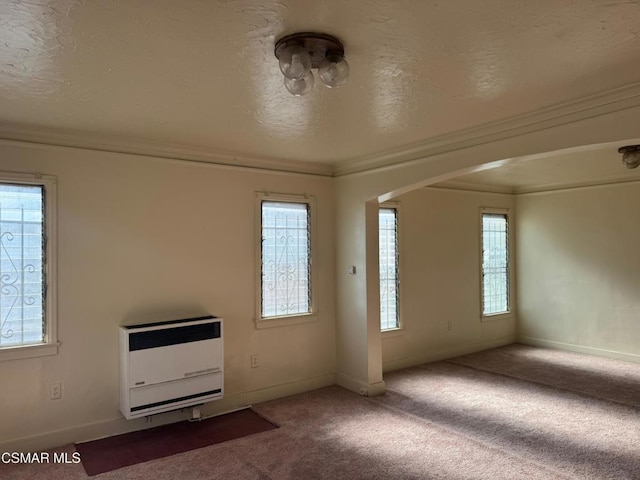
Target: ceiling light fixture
(630, 155)
(299, 53)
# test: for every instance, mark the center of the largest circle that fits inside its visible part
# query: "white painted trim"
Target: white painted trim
(311, 316)
(394, 332)
(561, 114)
(437, 354)
(288, 389)
(397, 206)
(473, 187)
(28, 351)
(106, 143)
(359, 387)
(544, 190)
(498, 316)
(168, 160)
(50, 344)
(510, 263)
(117, 426)
(570, 347)
(272, 322)
(537, 189)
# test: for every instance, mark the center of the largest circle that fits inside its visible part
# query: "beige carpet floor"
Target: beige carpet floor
(511, 413)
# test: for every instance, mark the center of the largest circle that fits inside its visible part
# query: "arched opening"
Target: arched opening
(359, 340)
(567, 268)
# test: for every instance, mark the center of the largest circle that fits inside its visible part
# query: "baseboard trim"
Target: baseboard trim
(436, 354)
(360, 387)
(292, 388)
(599, 352)
(117, 426)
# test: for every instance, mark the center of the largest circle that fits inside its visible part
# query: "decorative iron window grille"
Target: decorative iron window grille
(286, 259)
(22, 261)
(389, 278)
(495, 263)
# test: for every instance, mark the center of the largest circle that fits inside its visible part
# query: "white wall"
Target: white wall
(120, 260)
(440, 278)
(144, 239)
(357, 316)
(578, 263)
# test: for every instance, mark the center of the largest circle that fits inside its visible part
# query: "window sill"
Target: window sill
(28, 351)
(285, 321)
(496, 316)
(392, 332)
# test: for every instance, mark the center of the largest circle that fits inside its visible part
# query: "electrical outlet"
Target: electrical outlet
(449, 325)
(195, 413)
(254, 361)
(55, 391)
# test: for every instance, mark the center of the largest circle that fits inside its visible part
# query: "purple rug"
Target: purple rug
(112, 453)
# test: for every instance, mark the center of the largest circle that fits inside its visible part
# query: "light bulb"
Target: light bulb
(333, 71)
(631, 159)
(630, 155)
(299, 86)
(295, 62)
(296, 70)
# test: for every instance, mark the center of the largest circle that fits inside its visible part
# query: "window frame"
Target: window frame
(283, 320)
(50, 343)
(510, 298)
(400, 328)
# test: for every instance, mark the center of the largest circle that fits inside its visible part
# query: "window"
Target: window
(495, 262)
(285, 257)
(27, 273)
(389, 277)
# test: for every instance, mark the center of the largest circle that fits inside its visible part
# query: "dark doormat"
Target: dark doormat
(111, 453)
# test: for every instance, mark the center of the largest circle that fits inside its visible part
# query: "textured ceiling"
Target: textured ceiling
(201, 73)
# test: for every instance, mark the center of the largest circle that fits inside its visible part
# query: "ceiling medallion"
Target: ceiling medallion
(299, 53)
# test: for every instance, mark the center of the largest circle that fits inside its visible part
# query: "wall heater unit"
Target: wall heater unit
(170, 365)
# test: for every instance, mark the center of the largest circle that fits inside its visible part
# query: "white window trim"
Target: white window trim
(511, 299)
(400, 329)
(50, 344)
(285, 320)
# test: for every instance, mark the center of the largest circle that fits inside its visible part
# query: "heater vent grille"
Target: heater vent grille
(173, 336)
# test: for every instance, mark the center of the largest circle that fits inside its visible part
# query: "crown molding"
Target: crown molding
(472, 187)
(559, 187)
(116, 144)
(537, 189)
(561, 114)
